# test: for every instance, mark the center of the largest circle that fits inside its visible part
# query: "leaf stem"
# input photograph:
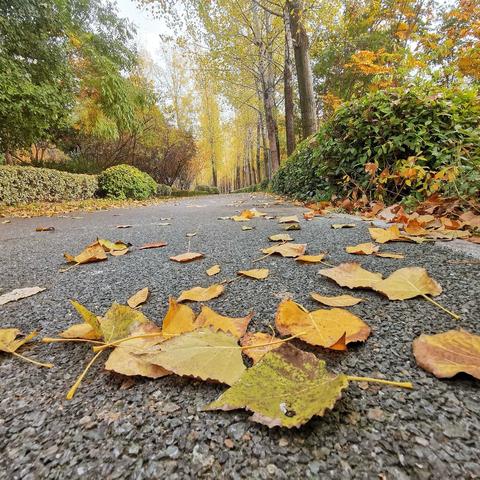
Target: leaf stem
(46, 365)
(431, 300)
(276, 342)
(104, 346)
(75, 386)
(379, 380)
(54, 340)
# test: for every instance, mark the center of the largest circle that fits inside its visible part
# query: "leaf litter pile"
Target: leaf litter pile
(284, 386)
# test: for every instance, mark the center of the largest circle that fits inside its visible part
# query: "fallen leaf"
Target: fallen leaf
(187, 257)
(414, 227)
(124, 226)
(407, 283)
(19, 293)
(152, 245)
(321, 327)
(109, 246)
(9, 344)
(224, 218)
(190, 235)
(200, 294)
(213, 270)
(292, 226)
(93, 253)
(4, 222)
(311, 258)
(343, 225)
(470, 219)
(203, 353)
(363, 249)
(259, 344)
(448, 353)
(280, 237)
(384, 235)
(246, 227)
(89, 329)
(119, 253)
(236, 326)
(290, 219)
(286, 388)
(390, 255)
(351, 275)
(286, 249)
(178, 319)
(138, 298)
(45, 229)
(120, 321)
(257, 273)
(337, 301)
(163, 224)
(244, 216)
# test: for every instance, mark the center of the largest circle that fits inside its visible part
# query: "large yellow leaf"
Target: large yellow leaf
(259, 344)
(384, 235)
(200, 294)
(449, 353)
(202, 353)
(179, 319)
(256, 273)
(93, 253)
(363, 249)
(408, 282)
(120, 321)
(286, 249)
(246, 215)
(337, 301)
(351, 275)
(324, 327)
(236, 326)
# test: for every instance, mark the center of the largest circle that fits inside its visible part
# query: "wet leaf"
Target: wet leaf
(343, 225)
(311, 258)
(336, 301)
(290, 219)
(449, 353)
(384, 235)
(280, 237)
(187, 257)
(236, 326)
(152, 245)
(328, 328)
(286, 388)
(351, 275)
(390, 255)
(407, 283)
(93, 253)
(138, 298)
(363, 249)
(286, 249)
(256, 273)
(178, 319)
(203, 353)
(213, 270)
(19, 293)
(266, 342)
(200, 294)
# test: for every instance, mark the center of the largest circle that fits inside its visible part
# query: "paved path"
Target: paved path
(155, 429)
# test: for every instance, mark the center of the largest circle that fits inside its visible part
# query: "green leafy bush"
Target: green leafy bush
(30, 184)
(164, 190)
(206, 189)
(125, 181)
(391, 144)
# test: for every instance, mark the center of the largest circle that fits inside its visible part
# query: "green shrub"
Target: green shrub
(206, 189)
(30, 184)
(164, 190)
(125, 181)
(391, 144)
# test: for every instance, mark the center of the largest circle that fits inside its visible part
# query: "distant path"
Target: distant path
(155, 429)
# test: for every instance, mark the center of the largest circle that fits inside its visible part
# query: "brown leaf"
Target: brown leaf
(336, 301)
(258, 338)
(470, 219)
(200, 294)
(449, 353)
(93, 253)
(236, 326)
(291, 226)
(286, 249)
(187, 257)
(256, 273)
(363, 249)
(382, 235)
(138, 298)
(213, 270)
(351, 275)
(152, 245)
(414, 227)
(311, 258)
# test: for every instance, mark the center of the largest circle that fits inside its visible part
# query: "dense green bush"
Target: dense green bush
(206, 189)
(125, 181)
(391, 144)
(164, 190)
(30, 184)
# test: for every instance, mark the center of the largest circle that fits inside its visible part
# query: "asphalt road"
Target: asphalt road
(155, 429)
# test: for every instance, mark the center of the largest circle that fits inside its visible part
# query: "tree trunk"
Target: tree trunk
(288, 85)
(258, 150)
(303, 67)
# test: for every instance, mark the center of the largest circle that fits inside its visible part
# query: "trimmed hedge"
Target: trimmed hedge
(125, 181)
(31, 184)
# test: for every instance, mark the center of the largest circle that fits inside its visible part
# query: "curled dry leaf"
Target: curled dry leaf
(290, 219)
(256, 345)
(236, 326)
(152, 245)
(343, 225)
(328, 328)
(19, 293)
(311, 258)
(109, 246)
(336, 301)
(213, 270)
(363, 249)
(449, 353)
(138, 298)
(256, 273)
(286, 388)
(119, 253)
(407, 283)
(203, 353)
(280, 237)
(200, 294)
(187, 257)
(286, 249)
(384, 235)
(178, 319)
(390, 255)
(351, 275)
(10, 344)
(93, 253)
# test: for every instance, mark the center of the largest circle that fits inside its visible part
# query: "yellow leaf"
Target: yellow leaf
(351, 275)
(213, 270)
(119, 253)
(200, 294)
(93, 253)
(311, 258)
(280, 237)
(363, 249)
(236, 326)
(258, 338)
(336, 301)
(187, 257)
(138, 298)
(109, 246)
(343, 225)
(286, 249)
(8, 343)
(89, 330)
(390, 255)
(179, 319)
(120, 321)
(152, 245)
(290, 219)
(382, 235)
(257, 273)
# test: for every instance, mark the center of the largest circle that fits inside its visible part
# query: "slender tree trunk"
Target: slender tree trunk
(258, 150)
(288, 85)
(303, 67)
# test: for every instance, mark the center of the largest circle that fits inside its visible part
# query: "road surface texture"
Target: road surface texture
(156, 429)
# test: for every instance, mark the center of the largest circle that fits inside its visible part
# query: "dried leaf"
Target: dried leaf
(384, 235)
(203, 353)
(120, 321)
(286, 388)
(89, 330)
(280, 237)
(19, 293)
(337, 301)
(109, 246)
(163, 224)
(236, 326)
(124, 226)
(266, 342)
(119, 253)
(287, 249)
(45, 229)
(343, 225)
(213, 270)
(414, 227)
(138, 298)
(363, 249)
(407, 283)
(324, 327)
(311, 258)
(449, 353)
(93, 253)
(390, 255)
(351, 275)
(190, 235)
(152, 245)
(246, 227)
(200, 294)
(292, 226)
(290, 219)
(8, 344)
(470, 219)
(187, 257)
(244, 216)
(257, 273)
(179, 319)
